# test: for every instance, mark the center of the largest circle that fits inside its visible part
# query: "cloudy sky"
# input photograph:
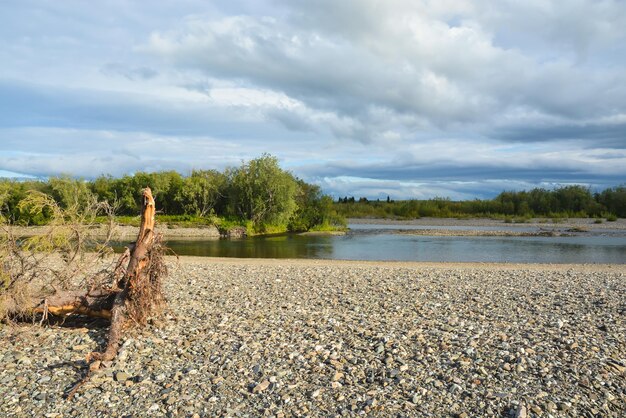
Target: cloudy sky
(415, 98)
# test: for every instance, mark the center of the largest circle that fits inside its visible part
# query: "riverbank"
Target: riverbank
(321, 338)
(445, 227)
(126, 232)
(545, 223)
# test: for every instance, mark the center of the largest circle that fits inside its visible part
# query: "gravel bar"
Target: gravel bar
(282, 338)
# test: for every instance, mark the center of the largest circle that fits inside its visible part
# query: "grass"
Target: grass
(327, 227)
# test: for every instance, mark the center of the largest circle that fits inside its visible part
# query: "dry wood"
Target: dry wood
(133, 294)
(136, 269)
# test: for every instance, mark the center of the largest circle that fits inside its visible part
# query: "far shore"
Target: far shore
(589, 223)
(444, 227)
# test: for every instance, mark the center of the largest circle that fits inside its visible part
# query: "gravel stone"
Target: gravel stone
(331, 338)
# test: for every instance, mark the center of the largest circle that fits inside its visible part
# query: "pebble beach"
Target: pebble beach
(282, 338)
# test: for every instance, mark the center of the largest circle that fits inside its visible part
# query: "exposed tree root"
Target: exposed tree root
(133, 295)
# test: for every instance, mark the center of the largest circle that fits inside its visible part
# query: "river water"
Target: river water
(379, 242)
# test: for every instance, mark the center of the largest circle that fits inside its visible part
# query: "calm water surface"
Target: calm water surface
(363, 244)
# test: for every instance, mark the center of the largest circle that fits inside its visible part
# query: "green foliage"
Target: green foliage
(614, 201)
(266, 199)
(314, 211)
(565, 202)
(260, 191)
(202, 192)
(69, 192)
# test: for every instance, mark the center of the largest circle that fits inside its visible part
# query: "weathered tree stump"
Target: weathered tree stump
(132, 296)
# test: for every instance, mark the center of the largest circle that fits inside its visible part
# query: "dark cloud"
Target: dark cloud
(450, 172)
(607, 134)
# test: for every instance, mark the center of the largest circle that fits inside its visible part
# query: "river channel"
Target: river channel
(382, 242)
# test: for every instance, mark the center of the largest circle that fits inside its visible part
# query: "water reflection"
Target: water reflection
(387, 246)
(285, 246)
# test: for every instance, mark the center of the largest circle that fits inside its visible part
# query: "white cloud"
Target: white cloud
(422, 97)
(407, 59)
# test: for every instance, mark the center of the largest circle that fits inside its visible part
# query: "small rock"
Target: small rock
(261, 386)
(521, 411)
(454, 388)
(121, 376)
(616, 365)
(80, 347)
(371, 402)
(564, 406)
(24, 360)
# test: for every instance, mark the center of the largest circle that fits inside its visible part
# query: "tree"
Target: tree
(614, 200)
(260, 191)
(166, 186)
(201, 192)
(69, 192)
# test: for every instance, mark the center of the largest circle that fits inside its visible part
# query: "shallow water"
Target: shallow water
(378, 244)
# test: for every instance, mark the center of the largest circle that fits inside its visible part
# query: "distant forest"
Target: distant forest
(266, 199)
(564, 202)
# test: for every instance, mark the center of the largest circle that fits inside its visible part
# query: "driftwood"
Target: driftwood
(133, 294)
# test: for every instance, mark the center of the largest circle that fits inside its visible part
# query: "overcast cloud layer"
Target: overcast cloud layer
(368, 98)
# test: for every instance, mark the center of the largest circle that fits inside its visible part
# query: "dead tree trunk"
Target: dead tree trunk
(135, 278)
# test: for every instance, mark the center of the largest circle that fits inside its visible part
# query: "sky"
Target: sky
(411, 99)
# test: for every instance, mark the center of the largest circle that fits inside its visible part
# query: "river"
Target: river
(380, 242)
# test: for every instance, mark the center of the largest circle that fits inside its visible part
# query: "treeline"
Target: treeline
(564, 202)
(257, 194)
